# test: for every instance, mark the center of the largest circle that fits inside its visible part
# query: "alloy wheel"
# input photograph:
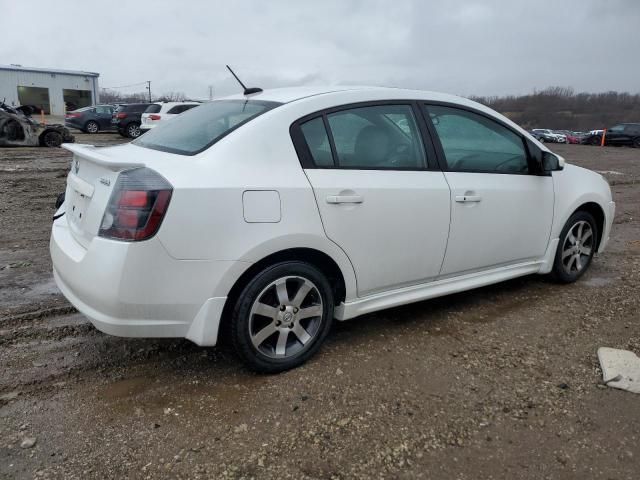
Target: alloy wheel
(577, 247)
(285, 317)
(133, 131)
(92, 127)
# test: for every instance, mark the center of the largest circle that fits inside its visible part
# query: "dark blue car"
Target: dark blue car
(91, 119)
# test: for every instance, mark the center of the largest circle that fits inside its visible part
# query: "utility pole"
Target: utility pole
(149, 88)
(210, 92)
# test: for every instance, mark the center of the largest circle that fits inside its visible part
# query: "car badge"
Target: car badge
(105, 181)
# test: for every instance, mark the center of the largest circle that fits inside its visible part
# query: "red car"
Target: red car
(571, 137)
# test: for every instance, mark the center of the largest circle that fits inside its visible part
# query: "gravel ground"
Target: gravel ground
(500, 382)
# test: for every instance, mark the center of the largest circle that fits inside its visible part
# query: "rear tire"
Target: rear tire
(133, 130)
(541, 140)
(282, 316)
(596, 141)
(636, 142)
(576, 248)
(91, 127)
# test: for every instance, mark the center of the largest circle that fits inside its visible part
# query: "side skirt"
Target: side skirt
(416, 293)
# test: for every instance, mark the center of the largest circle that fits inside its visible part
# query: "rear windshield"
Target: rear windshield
(199, 128)
(155, 108)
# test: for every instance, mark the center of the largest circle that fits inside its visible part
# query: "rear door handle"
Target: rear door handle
(468, 198)
(335, 199)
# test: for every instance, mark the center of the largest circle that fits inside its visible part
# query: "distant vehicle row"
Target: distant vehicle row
(130, 120)
(621, 134)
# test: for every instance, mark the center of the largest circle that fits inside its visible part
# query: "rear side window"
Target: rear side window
(380, 137)
(318, 142)
(200, 128)
(155, 108)
(472, 142)
(180, 108)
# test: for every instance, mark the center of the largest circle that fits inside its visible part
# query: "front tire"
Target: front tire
(578, 243)
(636, 142)
(282, 316)
(52, 139)
(596, 141)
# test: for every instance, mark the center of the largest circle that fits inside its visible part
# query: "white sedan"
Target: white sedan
(274, 213)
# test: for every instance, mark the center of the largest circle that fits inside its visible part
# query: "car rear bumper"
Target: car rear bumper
(138, 289)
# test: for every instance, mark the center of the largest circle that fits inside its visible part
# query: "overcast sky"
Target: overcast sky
(467, 47)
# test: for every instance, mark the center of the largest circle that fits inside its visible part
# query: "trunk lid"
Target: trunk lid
(93, 175)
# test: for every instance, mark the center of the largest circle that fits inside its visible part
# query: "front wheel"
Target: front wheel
(636, 142)
(578, 243)
(596, 141)
(52, 139)
(282, 317)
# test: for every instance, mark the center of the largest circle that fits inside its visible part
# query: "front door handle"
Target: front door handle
(468, 198)
(335, 199)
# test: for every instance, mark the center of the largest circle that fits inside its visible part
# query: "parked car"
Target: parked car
(127, 118)
(546, 135)
(266, 216)
(160, 112)
(621, 134)
(91, 119)
(570, 137)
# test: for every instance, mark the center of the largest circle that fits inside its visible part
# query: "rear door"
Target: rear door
(501, 213)
(378, 190)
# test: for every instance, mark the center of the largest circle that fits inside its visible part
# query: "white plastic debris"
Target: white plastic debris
(620, 369)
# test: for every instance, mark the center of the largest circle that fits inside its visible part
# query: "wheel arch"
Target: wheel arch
(597, 212)
(319, 259)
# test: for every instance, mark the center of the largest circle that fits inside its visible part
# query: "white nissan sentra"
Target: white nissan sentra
(273, 213)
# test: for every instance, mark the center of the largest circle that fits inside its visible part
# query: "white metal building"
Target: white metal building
(51, 90)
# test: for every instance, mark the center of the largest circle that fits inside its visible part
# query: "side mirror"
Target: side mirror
(552, 162)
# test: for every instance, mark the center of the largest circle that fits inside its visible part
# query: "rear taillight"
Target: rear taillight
(138, 203)
(121, 115)
(155, 117)
(73, 115)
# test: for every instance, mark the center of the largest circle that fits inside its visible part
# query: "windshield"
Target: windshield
(199, 128)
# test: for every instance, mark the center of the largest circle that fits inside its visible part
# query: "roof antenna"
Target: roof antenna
(247, 91)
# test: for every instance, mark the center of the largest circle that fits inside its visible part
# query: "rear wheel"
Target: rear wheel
(51, 139)
(133, 130)
(636, 142)
(596, 141)
(578, 243)
(91, 127)
(282, 317)
(541, 140)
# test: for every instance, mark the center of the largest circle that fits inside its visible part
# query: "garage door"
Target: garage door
(36, 96)
(75, 99)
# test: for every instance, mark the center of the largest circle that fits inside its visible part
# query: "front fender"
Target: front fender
(575, 186)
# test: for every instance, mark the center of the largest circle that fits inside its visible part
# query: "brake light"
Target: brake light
(121, 115)
(73, 115)
(137, 205)
(155, 117)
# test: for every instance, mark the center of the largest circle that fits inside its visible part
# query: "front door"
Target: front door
(377, 197)
(500, 213)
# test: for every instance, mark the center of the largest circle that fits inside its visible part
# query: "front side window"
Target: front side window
(199, 128)
(472, 142)
(103, 109)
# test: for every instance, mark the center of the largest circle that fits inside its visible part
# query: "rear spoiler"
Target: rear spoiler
(91, 153)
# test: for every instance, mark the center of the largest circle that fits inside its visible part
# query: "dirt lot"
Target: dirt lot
(502, 382)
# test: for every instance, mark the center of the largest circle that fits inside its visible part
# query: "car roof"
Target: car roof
(292, 94)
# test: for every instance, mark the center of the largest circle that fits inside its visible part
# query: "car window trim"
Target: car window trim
(440, 150)
(306, 158)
